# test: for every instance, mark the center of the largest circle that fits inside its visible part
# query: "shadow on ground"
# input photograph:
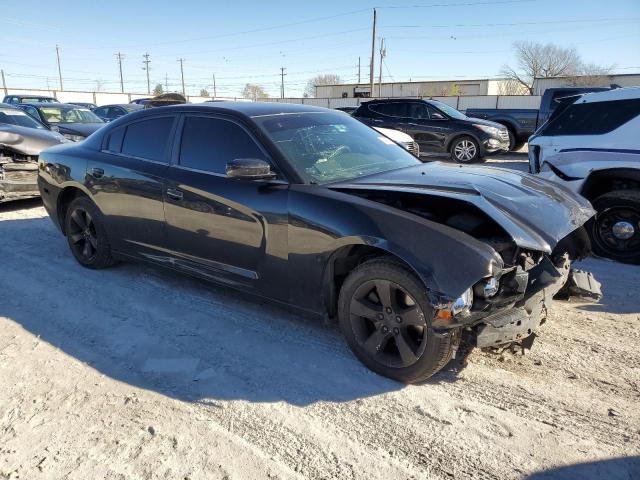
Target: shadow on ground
(161, 331)
(624, 468)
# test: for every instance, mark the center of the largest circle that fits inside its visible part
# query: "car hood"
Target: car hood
(28, 141)
(84, 129)
(488, 123)
(535, 212)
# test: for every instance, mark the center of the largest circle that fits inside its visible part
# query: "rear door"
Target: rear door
(228, 229)
(428, 127)
(127, 183)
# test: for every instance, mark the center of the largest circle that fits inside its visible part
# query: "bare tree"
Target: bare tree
(204, 92)
(591, 75)
(254, 92)
(536, 60)
(322, 79)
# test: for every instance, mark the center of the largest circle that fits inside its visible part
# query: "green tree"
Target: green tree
(204, 92)
(158, 90)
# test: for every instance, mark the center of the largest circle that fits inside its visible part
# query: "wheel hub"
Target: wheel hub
(623, 230)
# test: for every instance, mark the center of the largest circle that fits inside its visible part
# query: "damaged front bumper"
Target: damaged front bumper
(18, 180)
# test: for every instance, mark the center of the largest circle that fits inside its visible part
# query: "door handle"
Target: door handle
(174, 193)
(96, 172)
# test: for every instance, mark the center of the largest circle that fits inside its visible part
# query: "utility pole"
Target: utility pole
(383, 53)
(59, 70)
(4, 83)
(282, 74)
(373, 53)
(181, 60)
(358, 70)
(166, 83)
(214, 85)
(146, 63)
(119, 57)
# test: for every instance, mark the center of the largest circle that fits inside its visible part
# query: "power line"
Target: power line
(513, 24)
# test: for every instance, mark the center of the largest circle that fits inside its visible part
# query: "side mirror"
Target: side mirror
(437, 116)
(249, 169)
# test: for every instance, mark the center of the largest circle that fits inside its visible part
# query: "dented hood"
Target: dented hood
(535, 212)
(28, 141)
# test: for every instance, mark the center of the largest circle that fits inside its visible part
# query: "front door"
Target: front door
(427, 127)
(231, 230)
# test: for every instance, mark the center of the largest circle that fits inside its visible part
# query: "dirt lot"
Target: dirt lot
(135, 373)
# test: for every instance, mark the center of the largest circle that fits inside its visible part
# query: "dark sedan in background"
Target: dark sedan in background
(73, 122)
(16, 99)
(314, 210)
(437, 128)
(109, 113)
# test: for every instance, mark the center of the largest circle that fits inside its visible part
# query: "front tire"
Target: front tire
(86, 234)
(385, 316)
(465, 150)
(615, 230)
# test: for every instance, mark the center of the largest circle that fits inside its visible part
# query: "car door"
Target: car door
(126, 180)
(428, 127)
(228, 229)
(390, 115)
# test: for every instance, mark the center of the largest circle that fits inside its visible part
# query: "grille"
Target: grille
(414, 148)
(504, 135)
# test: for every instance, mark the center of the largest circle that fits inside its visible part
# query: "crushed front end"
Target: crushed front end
(509, 306)
(18, 175)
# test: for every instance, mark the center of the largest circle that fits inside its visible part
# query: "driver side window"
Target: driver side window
(209, 143)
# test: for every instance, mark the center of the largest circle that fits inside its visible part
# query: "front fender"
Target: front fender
(322, 221)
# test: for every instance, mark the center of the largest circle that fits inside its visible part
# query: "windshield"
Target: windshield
(450, 111)
(18, 117)
(133, 107)
(69, 115)
(328, 147)
(37, 100)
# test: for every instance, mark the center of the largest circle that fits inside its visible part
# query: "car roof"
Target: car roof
(128, 105)
(246, 109)
(392, 100)
(50, 104)
(8, 105)
(626, 93)
(29, 96)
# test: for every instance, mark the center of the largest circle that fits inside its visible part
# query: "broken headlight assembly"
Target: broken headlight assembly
(73, 138)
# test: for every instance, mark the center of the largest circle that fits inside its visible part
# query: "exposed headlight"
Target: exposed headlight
(493, 131)
(490, 287)
(73, 138)
(463, 302)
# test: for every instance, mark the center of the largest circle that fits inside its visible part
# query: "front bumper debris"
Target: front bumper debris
(18, 180)
(581, 284)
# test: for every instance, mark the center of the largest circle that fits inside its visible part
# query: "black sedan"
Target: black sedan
(109, 113)
(312, 209)
(437, 127)
(73, 122)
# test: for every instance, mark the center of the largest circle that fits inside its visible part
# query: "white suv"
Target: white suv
(593, 148)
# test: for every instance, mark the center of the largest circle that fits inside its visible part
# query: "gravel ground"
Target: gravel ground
(135, 373)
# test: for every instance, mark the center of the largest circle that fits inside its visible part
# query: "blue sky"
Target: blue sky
(249, 41)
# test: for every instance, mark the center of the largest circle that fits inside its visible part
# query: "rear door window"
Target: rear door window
(396, 109)
(148, 139)
(595, 118)
(209, 143)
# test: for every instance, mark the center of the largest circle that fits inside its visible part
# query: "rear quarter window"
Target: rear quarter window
(595, 118)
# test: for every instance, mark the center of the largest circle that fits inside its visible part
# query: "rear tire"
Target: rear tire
(465, 150)
(615, 230)
(86, 234)
(385, 316)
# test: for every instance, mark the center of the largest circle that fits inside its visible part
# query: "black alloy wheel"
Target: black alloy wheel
(387, 323)
(385, 315)
(615, 231)
(86, 235)
(82, 235)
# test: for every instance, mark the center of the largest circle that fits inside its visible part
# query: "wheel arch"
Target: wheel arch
(600, 182)
(342, 261)
(65, 197)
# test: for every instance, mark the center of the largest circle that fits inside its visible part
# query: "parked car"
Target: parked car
(437, 127)
(593, 148)
(16, 99)
(521, 123)
(401, 139)
(140, 101)
(314, 210)
(22, 138)
(73, 122)
(88, 105)
(111, 112)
